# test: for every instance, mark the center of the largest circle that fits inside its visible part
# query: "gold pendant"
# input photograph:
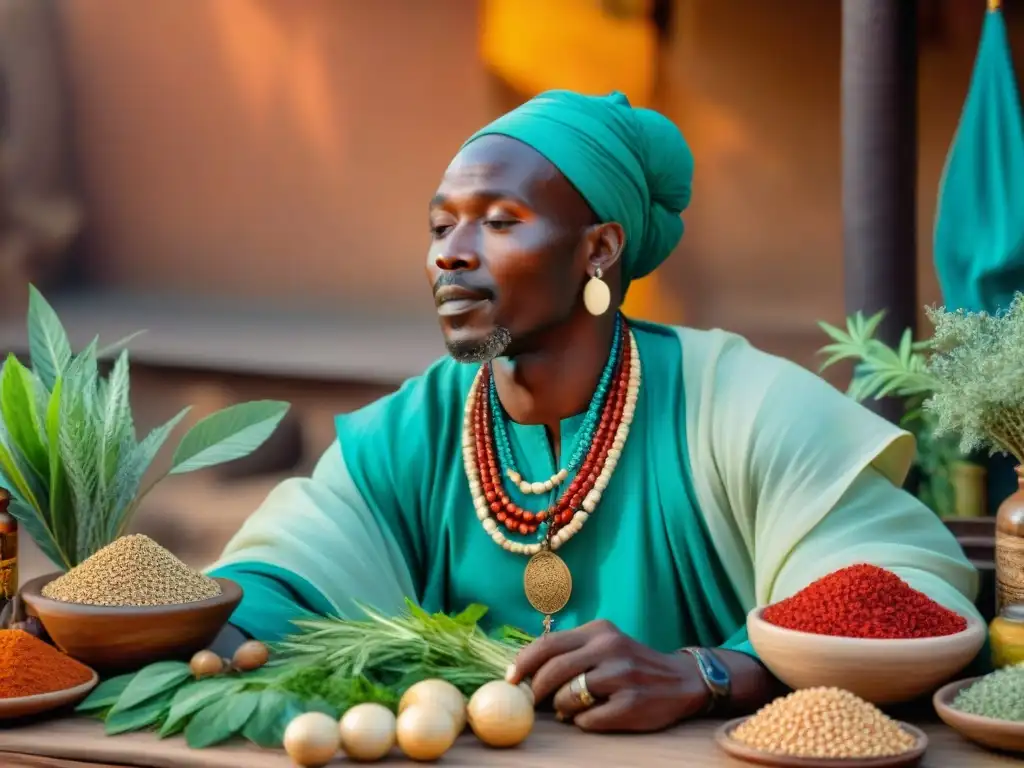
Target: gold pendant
(548, 584)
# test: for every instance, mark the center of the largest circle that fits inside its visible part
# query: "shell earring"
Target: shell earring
(596, 294)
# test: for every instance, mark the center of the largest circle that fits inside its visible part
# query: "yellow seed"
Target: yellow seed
(132, 571)
(821, 723)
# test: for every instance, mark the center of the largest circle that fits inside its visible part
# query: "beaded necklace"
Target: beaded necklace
(584, 437)
(547, 580)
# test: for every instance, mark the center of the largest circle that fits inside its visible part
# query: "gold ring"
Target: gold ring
(578, 688)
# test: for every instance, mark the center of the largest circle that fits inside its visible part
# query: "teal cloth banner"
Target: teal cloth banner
(979, 226)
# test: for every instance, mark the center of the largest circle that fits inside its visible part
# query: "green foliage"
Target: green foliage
(880, 371)
(328, 666)
(69, 454)
(398, 651)
(978, 365)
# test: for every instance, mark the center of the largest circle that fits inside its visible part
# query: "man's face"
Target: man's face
(506, 261)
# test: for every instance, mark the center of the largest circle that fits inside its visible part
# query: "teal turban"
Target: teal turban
(631, 165)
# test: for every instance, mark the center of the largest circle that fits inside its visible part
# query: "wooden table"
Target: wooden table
(80, 743)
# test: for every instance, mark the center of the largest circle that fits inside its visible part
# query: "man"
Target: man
(637, 488)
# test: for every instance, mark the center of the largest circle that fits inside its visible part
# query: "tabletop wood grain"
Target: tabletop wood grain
(79, 743)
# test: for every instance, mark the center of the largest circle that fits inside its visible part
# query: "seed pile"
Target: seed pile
(999, 695)
(29, 667)
(132, 571)
(824, 723)
(864, 601)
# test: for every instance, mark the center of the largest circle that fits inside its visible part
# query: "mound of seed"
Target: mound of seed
(824, 723)
(999, 695)
(132, 571)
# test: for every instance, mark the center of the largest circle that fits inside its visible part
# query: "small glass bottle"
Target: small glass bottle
(1006, 636)
(8, 551)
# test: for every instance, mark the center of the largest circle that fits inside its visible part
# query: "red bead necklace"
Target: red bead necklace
(505, 511)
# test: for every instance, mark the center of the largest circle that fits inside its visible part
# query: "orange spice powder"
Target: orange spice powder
(28, 666)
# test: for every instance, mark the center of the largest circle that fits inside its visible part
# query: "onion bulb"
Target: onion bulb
(250, 655)
(312, 739)
(425, 732)
(501, 714)
(206, 664)
(367, 732)
(437, 693)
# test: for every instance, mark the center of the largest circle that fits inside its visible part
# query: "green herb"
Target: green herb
(328, 666)
(999, 695)
(191, 698)
(155, 679)
(396, 652)
(880, 371)
(69, 454)
(220, 720)
(273, 713)
(337, 689)
(978, 365)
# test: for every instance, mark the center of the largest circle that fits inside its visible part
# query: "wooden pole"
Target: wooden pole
(879, 138)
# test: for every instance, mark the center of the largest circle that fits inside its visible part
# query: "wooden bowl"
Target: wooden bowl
(121, 639)
(26, 706)
(996, 734)
(879, 671)
(739, 750)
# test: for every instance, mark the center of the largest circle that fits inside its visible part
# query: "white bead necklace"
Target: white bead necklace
(480, 504)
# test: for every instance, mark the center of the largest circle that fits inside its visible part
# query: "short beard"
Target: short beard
(484, 351)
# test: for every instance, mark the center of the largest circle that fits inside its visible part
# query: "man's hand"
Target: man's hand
(634, 688)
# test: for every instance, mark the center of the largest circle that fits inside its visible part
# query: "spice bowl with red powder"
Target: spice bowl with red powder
(865, 630)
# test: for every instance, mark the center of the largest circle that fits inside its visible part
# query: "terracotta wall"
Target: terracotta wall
(281, 148)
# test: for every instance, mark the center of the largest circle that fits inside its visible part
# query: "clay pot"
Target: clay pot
(1010, 547)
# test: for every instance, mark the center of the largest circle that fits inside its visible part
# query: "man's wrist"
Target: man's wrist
(714, 675)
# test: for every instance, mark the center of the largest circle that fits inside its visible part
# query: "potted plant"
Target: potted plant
(977, 363)
(947, 482)
(69, 453)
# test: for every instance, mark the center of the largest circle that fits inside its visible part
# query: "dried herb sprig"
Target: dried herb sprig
(978, 366)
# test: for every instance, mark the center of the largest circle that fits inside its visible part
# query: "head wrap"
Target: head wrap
(631, 165)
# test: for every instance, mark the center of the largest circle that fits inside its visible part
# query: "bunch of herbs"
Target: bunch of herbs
(309, 672)
(977, 363)
(69, 454)
(399, 651)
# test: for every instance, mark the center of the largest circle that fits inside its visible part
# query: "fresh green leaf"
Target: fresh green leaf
(21, 417)
(322, 706)
(192, 697)
(126, 492)
(144, 714)
(116, 428)
(220, 720)
(105, 694)
(18, 481)
(61, 519)
(158, 678)
(49, 348)
(472, 615)
(274, 712)
(118, 345)
(228, 435)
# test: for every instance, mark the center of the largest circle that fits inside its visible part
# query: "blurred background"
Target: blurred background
(247, 180)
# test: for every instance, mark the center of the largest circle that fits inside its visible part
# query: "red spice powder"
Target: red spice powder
(864, 601)
(28, 666)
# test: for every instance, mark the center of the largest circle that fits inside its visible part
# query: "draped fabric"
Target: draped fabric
(979, 227)
(744, 478)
